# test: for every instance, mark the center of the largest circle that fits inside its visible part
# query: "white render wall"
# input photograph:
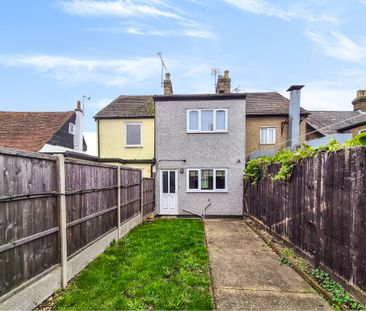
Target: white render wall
(201, 150)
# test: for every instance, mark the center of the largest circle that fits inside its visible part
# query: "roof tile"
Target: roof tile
(30, 130)
(260, 103)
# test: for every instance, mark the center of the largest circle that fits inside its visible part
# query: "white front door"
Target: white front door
(169, 192)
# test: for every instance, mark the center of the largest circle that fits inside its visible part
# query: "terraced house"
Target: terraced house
(126, 127)
(125, 131)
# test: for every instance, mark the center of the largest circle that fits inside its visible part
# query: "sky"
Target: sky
(52, 52)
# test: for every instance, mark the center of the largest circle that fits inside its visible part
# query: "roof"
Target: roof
(330, 122)
(127, 107)
(260, 103)
(30, 130)
(268, 103)
(199, 97)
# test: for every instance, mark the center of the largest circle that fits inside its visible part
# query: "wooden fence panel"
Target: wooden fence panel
(91, 200)
(30, 207)
(28, 217)
(322, 210)
(130, 193)
(148, 195)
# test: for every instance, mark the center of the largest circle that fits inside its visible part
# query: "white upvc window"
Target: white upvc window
(133, 134)
(207, 180)
(71, 128)
(267, 135)
(362, 131)
(207, 120)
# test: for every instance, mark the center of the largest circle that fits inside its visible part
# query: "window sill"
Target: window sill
(134, 146)
(208, 191)
(207, 132)
(267, 143)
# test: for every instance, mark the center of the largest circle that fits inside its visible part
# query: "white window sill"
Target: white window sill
(134, 146)
(208, 191)
(267, 143)
(207, 132)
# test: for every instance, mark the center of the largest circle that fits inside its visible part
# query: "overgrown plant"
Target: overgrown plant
(257, 168)
(339, 296)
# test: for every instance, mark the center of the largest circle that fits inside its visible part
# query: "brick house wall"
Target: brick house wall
(254, 123)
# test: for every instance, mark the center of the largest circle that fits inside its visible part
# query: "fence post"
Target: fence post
(119, 202)
(62, 224)
(142, 195)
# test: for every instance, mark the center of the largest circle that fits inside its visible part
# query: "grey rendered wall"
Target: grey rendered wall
(213, 150)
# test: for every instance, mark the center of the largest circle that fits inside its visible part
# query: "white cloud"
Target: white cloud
(339, 46)
(195, 33)
(123, 8)
(181, 25)
(263, 7)
(144, 30)
(74, 70)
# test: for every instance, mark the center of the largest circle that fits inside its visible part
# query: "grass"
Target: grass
(159, 265)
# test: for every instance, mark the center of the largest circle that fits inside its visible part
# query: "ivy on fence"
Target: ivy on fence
(287, 159)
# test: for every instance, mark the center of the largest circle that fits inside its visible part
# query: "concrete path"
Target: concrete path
(247, 274)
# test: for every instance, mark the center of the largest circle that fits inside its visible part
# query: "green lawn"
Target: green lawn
(159, 265)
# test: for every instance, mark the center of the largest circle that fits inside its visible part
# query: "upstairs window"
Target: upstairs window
(267, 135)
(206, 120)
(133, 135)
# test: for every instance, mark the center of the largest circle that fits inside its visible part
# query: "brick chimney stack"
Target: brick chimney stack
(359, 103)
(168, 88)
(78, 106)
(223, 85)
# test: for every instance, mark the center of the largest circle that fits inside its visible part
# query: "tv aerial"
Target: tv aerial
(163, 67)
(215, 72)
(83, 99)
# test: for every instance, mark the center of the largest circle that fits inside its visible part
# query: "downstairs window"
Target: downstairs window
(207, 180)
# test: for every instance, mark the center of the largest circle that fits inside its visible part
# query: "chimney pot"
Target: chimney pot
(78, 106)
(223, 85)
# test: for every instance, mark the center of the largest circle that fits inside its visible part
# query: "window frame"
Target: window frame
(135, 145)
(362, 131)
(71, 128)
(199, 130)
(274, 135)
(188, 170)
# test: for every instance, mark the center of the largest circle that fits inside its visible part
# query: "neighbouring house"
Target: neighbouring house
(200, 154)
(267, 122)
(125, 133)
(49, 132)
(321, 126)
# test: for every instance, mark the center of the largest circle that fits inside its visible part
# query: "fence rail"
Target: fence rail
(51, 208)
(322, 210)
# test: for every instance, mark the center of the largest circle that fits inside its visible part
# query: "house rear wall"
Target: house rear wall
(213, 150)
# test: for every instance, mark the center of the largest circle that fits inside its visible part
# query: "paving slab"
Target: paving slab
(247, 275)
